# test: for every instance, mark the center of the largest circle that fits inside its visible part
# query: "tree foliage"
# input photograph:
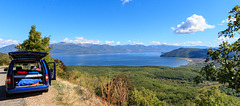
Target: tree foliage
(225, 61)
(35, 42)
(4, 59)
(145, 97)
(213, 97)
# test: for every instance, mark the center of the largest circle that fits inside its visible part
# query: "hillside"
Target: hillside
(8, 48)
(187, 53)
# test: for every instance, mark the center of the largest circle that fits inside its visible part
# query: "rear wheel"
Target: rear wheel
(45, 90)
(7, 95)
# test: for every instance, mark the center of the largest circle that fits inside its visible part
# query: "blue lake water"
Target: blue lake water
(128, 59)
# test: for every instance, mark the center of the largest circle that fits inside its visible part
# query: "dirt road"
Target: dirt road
(26, 99)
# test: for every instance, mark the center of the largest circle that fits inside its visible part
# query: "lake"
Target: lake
(128, 59)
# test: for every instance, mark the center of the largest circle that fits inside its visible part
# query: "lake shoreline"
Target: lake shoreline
(193, 61)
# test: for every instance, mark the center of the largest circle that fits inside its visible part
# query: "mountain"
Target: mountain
(70, 48)
(187, 53)
(8, 48)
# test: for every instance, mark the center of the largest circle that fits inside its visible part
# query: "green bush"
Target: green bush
(213, 97)
(144, 97)
(4, 59)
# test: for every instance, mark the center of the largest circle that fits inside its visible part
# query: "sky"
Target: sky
(117, 22)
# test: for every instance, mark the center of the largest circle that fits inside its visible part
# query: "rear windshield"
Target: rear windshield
(27, 66)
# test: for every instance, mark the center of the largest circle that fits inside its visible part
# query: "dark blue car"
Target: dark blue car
(28, 72)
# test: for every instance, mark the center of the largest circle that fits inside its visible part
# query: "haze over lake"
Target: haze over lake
(128, 59)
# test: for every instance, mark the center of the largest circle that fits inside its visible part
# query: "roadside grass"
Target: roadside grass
(71, 94)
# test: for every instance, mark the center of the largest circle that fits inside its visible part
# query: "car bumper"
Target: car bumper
(27, 89)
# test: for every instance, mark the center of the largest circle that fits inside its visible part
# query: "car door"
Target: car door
(51, 70)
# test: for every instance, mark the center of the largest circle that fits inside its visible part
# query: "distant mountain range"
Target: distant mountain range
(187, 53)
(8, 48)
(70, 48)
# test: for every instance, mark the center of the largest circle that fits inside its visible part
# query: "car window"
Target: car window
(27, 66)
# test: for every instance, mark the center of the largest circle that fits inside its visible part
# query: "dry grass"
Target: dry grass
(73, 95)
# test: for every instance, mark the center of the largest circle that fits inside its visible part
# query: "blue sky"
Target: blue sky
(147, 22)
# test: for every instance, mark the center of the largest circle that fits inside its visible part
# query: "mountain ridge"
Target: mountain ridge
(187, 53)
(71, 48)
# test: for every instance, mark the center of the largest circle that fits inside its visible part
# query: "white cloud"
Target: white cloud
(129, 41)
(176, 44)
(109, 42)
(80, 40)
(222, 38)
(232, 19)
(137, 42)
(7, 42)
(193, 24)
(189, 43)
(155, 42)
(224, 21)
(118, 43)
(125, 1)
(192, 43)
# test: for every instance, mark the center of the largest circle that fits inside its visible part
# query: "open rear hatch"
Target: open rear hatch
(22, 55)
(28, 70)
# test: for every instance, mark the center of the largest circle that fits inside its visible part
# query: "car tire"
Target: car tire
(7, 95)
(45, 90)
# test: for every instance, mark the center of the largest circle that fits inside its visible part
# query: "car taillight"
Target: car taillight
(46, 77)
(8, 80)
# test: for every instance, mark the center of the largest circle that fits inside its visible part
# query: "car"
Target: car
(29, 72)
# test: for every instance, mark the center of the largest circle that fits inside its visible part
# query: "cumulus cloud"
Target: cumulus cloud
(155, 42)
(125, 1)
(80, 40)
(7, 42)
(109, 42)
(118, 43)
(193, 24)
(189, 43)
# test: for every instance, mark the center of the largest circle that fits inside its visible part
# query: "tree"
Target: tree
(224, 66)
(35, 42)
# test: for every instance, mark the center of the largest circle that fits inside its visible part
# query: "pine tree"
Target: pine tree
(35, 42)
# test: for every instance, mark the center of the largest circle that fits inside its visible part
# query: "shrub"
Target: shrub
(213, 97)
(144, 97)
